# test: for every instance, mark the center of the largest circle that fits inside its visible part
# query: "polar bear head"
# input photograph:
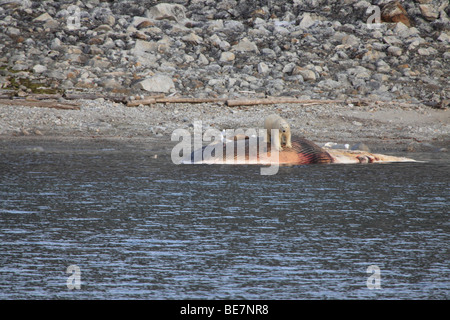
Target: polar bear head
(284, 126)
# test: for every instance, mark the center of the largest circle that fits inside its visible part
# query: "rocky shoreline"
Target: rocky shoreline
(306, 49)
(203, 48)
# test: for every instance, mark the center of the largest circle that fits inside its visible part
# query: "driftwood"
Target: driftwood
(43, 96)
(252, 102)
(40, 104)
(229, 102)
(149, 100)
(190, 100)
(87, 96)
(155, 99)
(50, 100)
(93, 96)
(135, 103)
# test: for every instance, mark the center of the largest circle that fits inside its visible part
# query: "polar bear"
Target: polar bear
(276, 122)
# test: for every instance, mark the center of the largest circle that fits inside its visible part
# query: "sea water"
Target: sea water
(107, 223)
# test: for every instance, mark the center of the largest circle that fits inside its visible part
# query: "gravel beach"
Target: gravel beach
(390, 80)
(381, 127)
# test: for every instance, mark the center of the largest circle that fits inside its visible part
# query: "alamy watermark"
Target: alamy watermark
(74, 280)
(374, 21)
(374, 279)
(225, 147)
(73, 21)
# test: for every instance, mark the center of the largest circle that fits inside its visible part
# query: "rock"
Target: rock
(279, 30)
(426, 51)
(288, 68)
(329, 84)
(103, 15)
(45, 17)
(308, 75)
(175, 12)
(158, 83)
(307, 21)
(373, 55)
(350, 41)
(39, 68)
(394, 12)
(269, 53)
(402, 30)
(11, 31)
(202, 60)
(20, 67)
(263, 68)
(359, 73)
(429, 12)
(415, 42)
(216, 82)
(382, 66)
(216, 41)
(192, 38)
(141, 22)
(395, 51)
(104, 28)
(215, 25)
(245, 45)
(234, 26)
(55, 44)
(145, 24)
(227, 56)
(275, 86)
(111, 84)
(16, 4)
(444, 37)
(362, 4)
(393, 40)
(144, 52)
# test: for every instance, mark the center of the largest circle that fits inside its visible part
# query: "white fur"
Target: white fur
(276, 122)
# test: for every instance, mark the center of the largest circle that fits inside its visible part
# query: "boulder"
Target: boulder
(245, 45)
(429, 12)
(157, 83)
(169, 11)
(307, 21)
(394, 12)
(227, 56)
